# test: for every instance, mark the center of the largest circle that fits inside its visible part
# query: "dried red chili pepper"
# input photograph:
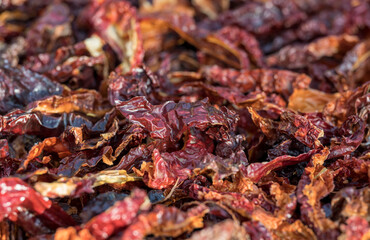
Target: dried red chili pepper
(183, 119)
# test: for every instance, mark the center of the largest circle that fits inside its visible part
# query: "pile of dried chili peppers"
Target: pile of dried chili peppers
(185, 119)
